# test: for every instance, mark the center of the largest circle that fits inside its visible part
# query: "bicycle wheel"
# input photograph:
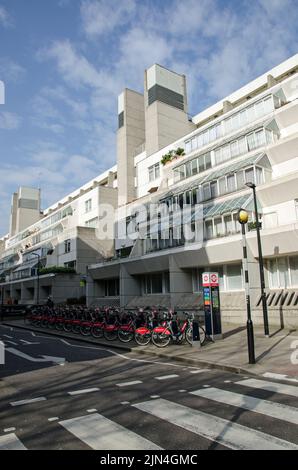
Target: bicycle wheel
(125, 336)
(142, 339)
(97, 332)
(110, 335)
(202, 334)
(161, 339)
(188, 335)
(67, 327)
(85, 330)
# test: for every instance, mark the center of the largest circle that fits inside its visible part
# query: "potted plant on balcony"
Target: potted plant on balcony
(179, 152)
(167, 157)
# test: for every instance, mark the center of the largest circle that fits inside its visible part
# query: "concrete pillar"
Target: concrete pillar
(271, 81)
(227, 106)
(94, 289)
(130, 135)
(180, 281)
(166, 118)
(129, 286)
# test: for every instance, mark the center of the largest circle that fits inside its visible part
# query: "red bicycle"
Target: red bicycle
(163, 334)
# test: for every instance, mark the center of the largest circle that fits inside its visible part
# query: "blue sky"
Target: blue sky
(64, 62)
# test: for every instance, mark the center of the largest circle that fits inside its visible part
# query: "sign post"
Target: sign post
(212, 305)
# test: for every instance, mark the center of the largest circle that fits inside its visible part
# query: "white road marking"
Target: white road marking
(228, 381)
(181, 391)
(86, 390)
(11, 442)
(28, 342)
(7, 336)
(166, 377)
(125, 402)
(199, 371)
(270, 386)
(55, 418)
(257, 405)
(92, 410)
(101, 433)
(26, 402)
(272, 375)
(154, 396)
(127, 384)
(9, 429)
(206, 386)
(54, 359)
(227, 433)
(10, 342)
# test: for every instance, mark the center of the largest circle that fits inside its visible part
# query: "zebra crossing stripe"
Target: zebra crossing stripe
(230, 434)
(11, 442)
(86, 390)
(101, 433)
(257, 405)
(270, 386)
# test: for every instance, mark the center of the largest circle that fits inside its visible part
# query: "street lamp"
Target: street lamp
(261, 263)
(243, 219)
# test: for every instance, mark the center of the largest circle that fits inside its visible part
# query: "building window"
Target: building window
(154, 172)
(112, 287)
(71, 264)
(67, 246)
(234, 277)
(92, 223)
(296, 208)
(88, 205)
(156, 283)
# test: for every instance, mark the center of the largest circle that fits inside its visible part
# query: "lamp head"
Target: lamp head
(242, 216)
(250, 185)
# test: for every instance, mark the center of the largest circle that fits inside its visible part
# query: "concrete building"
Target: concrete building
(175, 220)
(249, 136)
(62, 236)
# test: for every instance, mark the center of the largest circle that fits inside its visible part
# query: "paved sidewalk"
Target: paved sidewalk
(273, 354)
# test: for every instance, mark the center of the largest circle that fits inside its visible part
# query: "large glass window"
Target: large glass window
(214, 189)
(154, 172)
(234, 277)
(218, 226)
(231, 183)
(294, 270)
(208, 229)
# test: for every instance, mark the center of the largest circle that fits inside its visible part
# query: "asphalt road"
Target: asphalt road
(60, 394)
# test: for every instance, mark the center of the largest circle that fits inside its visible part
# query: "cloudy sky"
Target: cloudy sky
(64, 62)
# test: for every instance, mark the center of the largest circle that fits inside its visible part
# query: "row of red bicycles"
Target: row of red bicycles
(155, 325)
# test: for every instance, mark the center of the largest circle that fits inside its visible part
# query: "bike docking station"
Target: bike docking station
(212, 306)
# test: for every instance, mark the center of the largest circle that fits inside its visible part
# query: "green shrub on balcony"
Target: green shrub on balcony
(57, 270)
(172, 155)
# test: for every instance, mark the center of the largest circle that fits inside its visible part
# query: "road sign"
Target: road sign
(210, 279)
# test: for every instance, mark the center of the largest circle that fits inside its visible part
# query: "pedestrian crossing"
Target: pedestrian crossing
(209, 417)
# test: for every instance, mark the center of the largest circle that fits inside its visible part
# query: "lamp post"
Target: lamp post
(242, 219)
(261, 262)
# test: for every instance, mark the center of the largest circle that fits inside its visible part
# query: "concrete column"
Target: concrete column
(180, 281)
(94, 289)
(271, 81)
(129, 286)
(227, 106)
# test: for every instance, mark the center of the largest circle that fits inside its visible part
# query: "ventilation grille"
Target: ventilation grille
(280, 299)
(160, 93)
(121, 119)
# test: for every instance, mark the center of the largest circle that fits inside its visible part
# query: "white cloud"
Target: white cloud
(103, 16)
(10, 71)
(9, 121)
(5, 18)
